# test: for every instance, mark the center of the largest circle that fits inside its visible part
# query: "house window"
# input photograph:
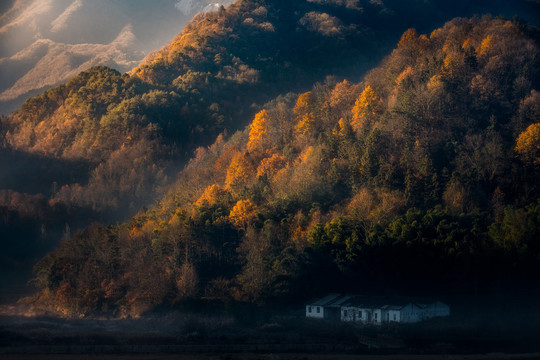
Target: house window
(309, 309)
(344, 312)
(318, 310)
(375, 316)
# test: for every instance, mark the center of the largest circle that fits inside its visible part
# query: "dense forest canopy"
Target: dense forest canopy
(421, 177)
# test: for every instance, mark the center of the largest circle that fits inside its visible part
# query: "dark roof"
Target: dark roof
(376, 302)
(388, 303)
(371, 302)
(331, 300)
(325, 300)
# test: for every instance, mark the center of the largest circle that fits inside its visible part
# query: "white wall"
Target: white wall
(355, 314)
(376, 316)
(314, 311)
(392, 316)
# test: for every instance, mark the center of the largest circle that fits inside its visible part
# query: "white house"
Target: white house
(327, 308)
(434, 309)
(362, 310)
(376, 310)
(366, 310)
(407, 312)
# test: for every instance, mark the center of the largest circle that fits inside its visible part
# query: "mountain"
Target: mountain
(209, 79)
(421, 176)
(48, 42)
(104, 143)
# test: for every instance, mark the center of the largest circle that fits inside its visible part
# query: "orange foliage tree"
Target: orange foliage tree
(271, 165)
(258, 130)
(240, 171)
(211, 195)
(364, 109)
(305, 116)
(485, 46)
(528, 144)
(243, 213)
(408, 37)
(344, 93)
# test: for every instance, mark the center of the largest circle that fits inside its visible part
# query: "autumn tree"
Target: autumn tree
(271, 165)
(486, 46)
(408, 37)
(243, 213)
(342, 96)
(240, 171)
(258, 130)
(211, 195)
(365, 109)
(528, 144)
(304, 113)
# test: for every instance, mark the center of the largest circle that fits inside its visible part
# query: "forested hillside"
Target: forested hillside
(201, 84)
(103, 144)
(422, 176)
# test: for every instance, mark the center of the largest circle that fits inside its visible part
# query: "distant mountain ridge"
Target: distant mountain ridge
(47, 42)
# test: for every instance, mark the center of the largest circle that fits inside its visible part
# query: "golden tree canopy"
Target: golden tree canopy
(243, 213)
(258, 129)
(240, 171)
(305, 117)
(271, 165)
(211, 195)
(305, 124)
(407, 37)
(304, 103)
(528, 144)
(485, 46)
(343, 93)
(364, 109)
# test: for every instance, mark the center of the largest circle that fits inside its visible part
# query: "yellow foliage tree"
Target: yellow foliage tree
(258, 129)
(340, 128)
(271, 165)
(404, 74)
(304, 103)
(453, 61)
(342, 94)
(528, 144)
(305, 124)
(305, 116)
(240, 171)
(210, 195)
(364, 109)
(485, 46)
(408, 37)
(305, 155)
(243, 213)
